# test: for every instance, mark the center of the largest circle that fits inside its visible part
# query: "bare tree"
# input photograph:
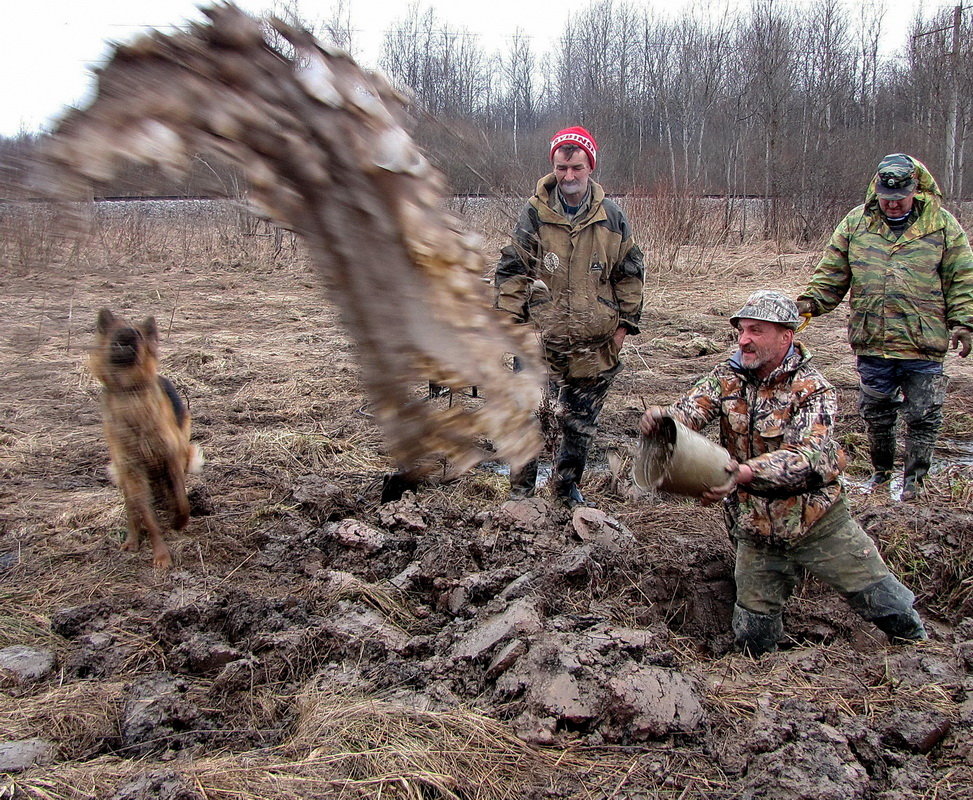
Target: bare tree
(766, 45)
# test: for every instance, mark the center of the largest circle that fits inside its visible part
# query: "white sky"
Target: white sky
(48, 46)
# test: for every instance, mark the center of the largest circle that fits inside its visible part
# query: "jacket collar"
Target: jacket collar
(796, 357)
(548, 208)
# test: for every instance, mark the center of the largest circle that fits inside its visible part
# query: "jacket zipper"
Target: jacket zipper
(752, 403)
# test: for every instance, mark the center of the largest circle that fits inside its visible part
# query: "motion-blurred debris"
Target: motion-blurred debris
(324, 149)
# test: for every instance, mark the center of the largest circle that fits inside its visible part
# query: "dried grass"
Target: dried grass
(350, 747)
(267, 416)
(20, 620)
(78, 716)
(345, 586)
(733, 693)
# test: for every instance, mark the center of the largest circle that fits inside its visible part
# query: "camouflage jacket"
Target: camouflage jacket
(782, 427)
(906, 292)
(576, 280)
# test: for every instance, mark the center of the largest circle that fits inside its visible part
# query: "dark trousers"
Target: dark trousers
(577, 405)
(915, 386)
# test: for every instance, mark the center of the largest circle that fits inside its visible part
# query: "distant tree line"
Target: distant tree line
(791, 103)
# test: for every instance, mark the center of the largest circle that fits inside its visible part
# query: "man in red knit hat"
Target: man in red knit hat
(573, 271)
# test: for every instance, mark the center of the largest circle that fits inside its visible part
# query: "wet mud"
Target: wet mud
(599, 635)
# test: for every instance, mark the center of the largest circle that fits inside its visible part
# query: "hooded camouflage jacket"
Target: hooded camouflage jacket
(906, 292)
(782, 427)
(576, 280)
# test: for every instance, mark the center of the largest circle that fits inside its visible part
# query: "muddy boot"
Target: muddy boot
(881, 448)
(902, 628)
(396, 484)
(888, 604)
(756, 634)
(878, 480)
(918, 458)
(569, 494)
(924, 395)
(523, 483)
(917, 461)
(879, 411)
(581, 402)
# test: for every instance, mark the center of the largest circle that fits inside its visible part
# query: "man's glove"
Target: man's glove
(805, 307)
(963, 339)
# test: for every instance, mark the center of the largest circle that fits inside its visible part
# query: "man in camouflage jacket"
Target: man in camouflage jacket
(782, 501)
(907, 267)
(575, 273)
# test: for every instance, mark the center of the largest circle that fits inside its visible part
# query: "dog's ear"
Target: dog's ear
(150, 330)
(105, 320)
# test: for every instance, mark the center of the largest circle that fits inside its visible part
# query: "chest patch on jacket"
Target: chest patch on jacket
(551, 262)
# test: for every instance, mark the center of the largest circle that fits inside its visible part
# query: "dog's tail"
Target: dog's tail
(196, 460)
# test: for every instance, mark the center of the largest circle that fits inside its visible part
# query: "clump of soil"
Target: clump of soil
(313, 641)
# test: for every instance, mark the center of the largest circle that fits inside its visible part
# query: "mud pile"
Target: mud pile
(573, 631)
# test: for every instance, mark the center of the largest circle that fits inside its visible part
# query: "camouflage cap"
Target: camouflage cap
(895, 177)
(769, 306)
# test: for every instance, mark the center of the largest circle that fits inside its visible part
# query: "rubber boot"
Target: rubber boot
(918, 457)
(572, 456)
(569, 494)
(881, 447)
(879, 412)
(756, 634)
(902, 628)
(924, 394)
(888, 604)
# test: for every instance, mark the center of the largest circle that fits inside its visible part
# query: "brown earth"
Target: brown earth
(312, 641)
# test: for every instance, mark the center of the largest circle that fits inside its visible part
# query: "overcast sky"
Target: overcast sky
(48, 46)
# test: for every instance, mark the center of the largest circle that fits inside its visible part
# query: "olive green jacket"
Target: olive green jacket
(576, 280)
(905, 293)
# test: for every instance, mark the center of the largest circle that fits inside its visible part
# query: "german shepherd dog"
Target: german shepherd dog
(147, 427)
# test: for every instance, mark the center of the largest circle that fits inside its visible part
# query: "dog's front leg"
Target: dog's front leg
(178, 497)
(141, 517)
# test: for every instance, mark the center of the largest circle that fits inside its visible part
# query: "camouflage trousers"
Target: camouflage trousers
(835, 550)
(578, 403)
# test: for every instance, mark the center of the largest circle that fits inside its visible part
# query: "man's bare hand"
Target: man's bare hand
(738, 474)
(805, 307)
(963, 339)
(649, 421)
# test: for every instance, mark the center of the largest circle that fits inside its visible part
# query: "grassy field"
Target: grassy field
(291, 667)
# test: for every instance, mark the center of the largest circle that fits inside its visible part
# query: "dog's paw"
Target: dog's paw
(112, 471)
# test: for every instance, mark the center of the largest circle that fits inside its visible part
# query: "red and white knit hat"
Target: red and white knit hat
(579, 136)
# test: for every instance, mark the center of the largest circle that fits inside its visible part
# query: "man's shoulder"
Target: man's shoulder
(950, 223)
(855, 217)
(809, 379)
(724, 373)
(614, 216)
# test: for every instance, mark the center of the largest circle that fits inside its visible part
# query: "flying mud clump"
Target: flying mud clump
(326, 154)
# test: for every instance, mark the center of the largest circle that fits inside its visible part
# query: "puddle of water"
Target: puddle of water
(543, 471)
(956, 451)
(949, 453)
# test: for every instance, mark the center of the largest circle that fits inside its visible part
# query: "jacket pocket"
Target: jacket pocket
(770, 436)
(861, 328)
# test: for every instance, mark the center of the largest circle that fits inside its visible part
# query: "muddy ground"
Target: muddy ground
(311, 641)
